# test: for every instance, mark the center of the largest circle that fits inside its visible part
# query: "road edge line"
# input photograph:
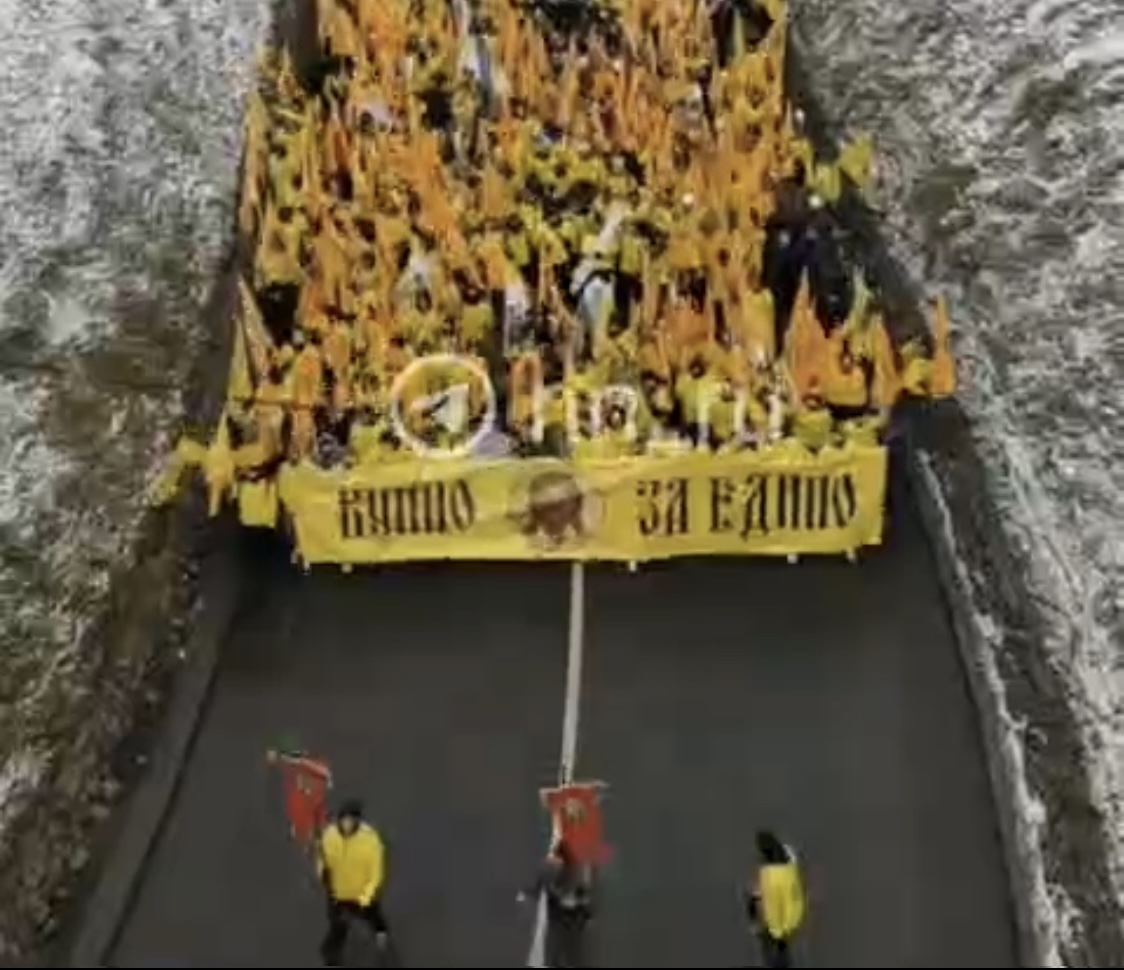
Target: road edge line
(105, 912)
(975, 657)
(571, 717)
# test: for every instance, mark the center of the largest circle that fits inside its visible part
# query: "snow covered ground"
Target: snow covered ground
(121, 126)
(1001, 127)
(1001, 124)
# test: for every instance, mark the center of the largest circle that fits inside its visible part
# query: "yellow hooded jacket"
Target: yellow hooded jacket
(780, 893)
(354, 865)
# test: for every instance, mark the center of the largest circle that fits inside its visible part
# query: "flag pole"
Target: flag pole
(574, 656)
(575, 648)
(536, 956)
(574, 661)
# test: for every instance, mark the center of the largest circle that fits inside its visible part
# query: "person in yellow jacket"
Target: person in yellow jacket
(776, 900)
(352, 865)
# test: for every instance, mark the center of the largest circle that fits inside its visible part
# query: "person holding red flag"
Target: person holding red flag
(576, 812)
(307, 783)
(567, 886)
(566, 878)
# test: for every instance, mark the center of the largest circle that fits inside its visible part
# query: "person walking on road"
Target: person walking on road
(775, 900)
(352, 865)
(568, 887)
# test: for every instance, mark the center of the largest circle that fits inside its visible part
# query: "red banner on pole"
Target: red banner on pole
(307, 782)
(576, 811)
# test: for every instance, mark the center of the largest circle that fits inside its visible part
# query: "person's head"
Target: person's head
(366, 229)
(470, 292)
(350, 816)
(770, 849)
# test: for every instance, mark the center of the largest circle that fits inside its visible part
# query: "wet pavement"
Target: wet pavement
(824, 699)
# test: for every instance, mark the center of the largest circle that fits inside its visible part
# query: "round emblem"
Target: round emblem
(451, 383)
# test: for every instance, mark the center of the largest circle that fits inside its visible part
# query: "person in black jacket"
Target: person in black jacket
(568, 888)
(801, 237)
(786, 255)
(724, 16)
(830, 282)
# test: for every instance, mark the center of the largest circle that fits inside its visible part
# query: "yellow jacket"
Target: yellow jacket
(780, 895)
(354, 866)
(813, 427)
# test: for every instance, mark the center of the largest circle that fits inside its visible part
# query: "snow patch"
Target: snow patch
(122, 126)
(1053, 914)
(28, 463)
(1002, 126)
(18, 776)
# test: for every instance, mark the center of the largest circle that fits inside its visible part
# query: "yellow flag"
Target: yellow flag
(253, 175)
(942, 381)
(258, 343)
(218, 466)
(826, 182)
(240, 384)
(805, 343)
(856, 161)
(312, 177)
(257, 115)
(287, 85)
(887, 385)
(188, 454)
(776, 44)
(249, 206)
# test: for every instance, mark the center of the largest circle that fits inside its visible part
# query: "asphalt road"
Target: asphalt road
(823, 699)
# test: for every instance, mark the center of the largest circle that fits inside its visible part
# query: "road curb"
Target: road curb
(107, 907)
(105, 911)
(1003, 763)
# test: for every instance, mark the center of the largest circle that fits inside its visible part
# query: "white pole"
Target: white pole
(536, 957)
(575, 651)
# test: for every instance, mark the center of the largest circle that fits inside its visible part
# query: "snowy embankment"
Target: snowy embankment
(122, 128)
(1000, 126)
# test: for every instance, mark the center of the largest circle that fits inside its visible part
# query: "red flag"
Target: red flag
(307, 783)
(576, 810)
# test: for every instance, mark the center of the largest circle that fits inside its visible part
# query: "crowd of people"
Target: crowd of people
(576, 196)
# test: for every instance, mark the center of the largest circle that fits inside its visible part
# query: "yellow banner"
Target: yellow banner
(751, 503)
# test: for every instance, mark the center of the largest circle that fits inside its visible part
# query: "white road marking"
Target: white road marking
(536, 956)
(574, 658)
